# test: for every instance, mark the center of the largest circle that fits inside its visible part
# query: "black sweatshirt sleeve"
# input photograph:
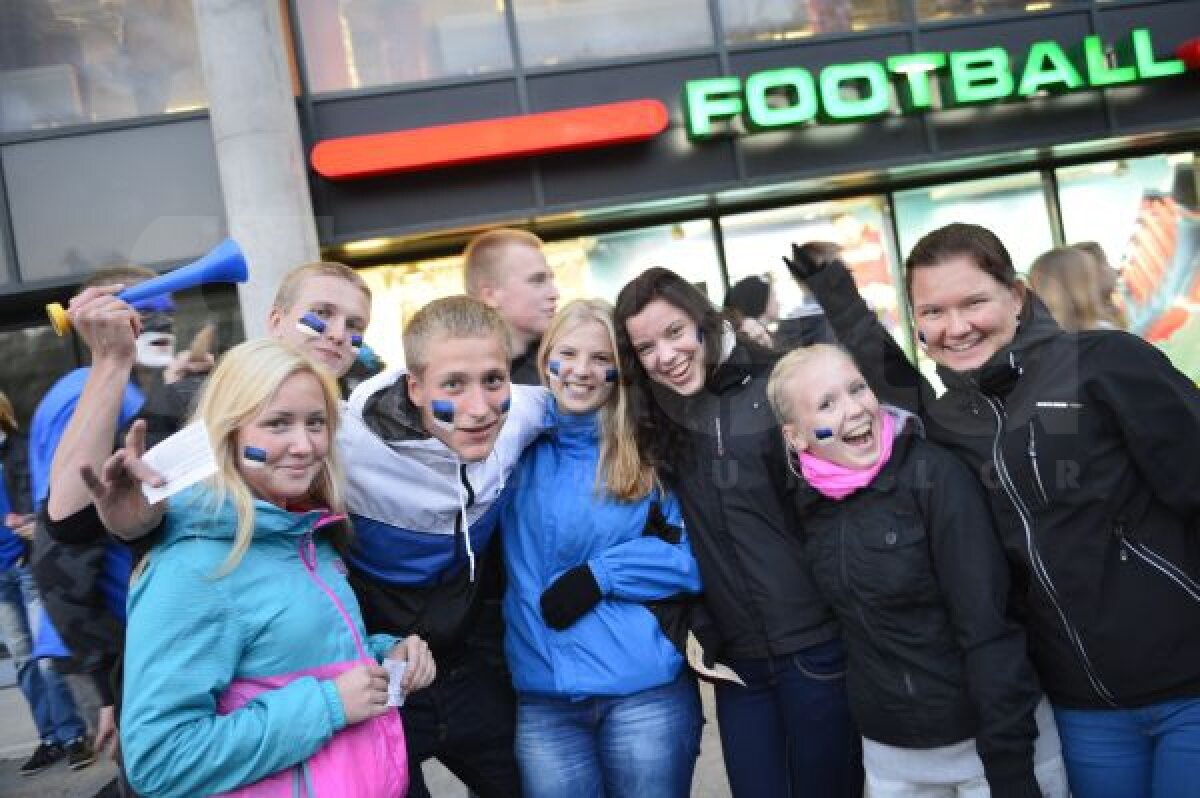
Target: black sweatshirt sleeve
(973, 575)
(889, 372)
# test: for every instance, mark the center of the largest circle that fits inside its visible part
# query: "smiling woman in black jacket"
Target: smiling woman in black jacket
(704, 422)
(1089, 446)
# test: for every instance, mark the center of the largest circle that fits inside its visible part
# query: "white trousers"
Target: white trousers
(956, 771)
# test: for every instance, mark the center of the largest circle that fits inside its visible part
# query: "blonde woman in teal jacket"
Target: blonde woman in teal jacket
(247, 667)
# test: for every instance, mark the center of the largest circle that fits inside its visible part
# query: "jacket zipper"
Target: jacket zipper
(720, 441)
(308, 555)
(1033, 463)
(1157, 562)
(1035, 558)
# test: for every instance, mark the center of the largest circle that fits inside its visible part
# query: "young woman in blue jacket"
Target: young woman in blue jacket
(606, 705)
(247, 667)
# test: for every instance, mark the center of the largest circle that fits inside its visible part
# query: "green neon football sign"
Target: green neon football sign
(781, 98)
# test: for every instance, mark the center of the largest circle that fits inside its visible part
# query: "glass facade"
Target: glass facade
(590, 266)
(782, 20)
(555, 32)
(944, 9)
(1144, 214)
(356, 44)
(1013, 207)
(75, 62)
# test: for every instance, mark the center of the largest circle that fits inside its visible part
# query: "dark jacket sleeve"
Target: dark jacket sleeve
(973, 576)
(889, 372)
(1157, 409)
(16, 474)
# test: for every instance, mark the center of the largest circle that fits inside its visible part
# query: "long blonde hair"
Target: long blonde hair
(1065, 279)
(621, 470)
(244, 382)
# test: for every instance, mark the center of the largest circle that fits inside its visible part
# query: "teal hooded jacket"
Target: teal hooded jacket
(273, 631)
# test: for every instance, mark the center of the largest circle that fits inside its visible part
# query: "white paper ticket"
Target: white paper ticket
(183, 459)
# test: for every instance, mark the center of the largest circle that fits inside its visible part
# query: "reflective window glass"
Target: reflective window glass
(592, 266)
(1144, 214)
(1013, 207)
(72, 62)
(148, 195)
(353, 44)
(779, 20)
(941, 9)
(558, 32)
(755, 244)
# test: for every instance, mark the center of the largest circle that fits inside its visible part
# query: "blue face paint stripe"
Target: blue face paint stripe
(554, 369)
(505, 405)
(823, 434)
(611, 375)
(254, 456)
(309, 324)
(443, 411)
(356, 341)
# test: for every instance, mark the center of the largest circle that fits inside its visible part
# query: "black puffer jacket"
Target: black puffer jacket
(736, 489)
(919, 583)
(1089, 446)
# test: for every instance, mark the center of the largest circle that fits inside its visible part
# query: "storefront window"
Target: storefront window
(1013, 207)
(593, 266)
(755, 244)
(1144, 214)
(555, 32)
(942, 9)
(85, 61)
(779, 20)
(354, 44)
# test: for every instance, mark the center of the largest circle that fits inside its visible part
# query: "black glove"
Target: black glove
(656, 525)
(808, 259)
(570, 597)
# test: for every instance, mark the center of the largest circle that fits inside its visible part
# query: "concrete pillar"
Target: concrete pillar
(259, 152)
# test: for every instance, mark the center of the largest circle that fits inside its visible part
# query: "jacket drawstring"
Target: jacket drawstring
(466, 528)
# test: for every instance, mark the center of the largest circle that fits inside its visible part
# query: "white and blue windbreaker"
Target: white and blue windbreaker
(406, 493)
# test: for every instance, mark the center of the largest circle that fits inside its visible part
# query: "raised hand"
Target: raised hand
(107, 325)
(809, 258)
(117, 489)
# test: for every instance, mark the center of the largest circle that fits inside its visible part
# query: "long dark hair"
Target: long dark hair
(662, 435)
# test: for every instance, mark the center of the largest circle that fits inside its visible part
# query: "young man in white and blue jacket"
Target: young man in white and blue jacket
(428, 452)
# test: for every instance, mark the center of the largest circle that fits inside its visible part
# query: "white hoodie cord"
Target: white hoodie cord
(466, 528)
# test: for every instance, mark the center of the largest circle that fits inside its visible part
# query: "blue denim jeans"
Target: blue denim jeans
(1150, 752)
(44, 689)
(788, 731)
(637, 746)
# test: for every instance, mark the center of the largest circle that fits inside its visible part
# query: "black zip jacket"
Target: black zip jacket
(736, 489)
(920, 586)
(1089, 447)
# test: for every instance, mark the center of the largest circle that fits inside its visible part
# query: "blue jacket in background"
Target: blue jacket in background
(191, 636)
(556, 521)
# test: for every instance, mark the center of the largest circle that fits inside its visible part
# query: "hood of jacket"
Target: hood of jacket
(196, 513)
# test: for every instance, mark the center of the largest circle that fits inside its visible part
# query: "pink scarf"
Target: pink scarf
(837, 481)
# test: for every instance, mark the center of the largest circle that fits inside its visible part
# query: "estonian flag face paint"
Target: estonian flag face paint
(356, 342)
(310, 324)
(611, 375)
(823, 435)
(505, 405)
(443, 413)
(254, 457)
(553, 370)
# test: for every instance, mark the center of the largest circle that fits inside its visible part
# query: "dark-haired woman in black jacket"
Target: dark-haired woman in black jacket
(704, 422)
(1089, 446)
